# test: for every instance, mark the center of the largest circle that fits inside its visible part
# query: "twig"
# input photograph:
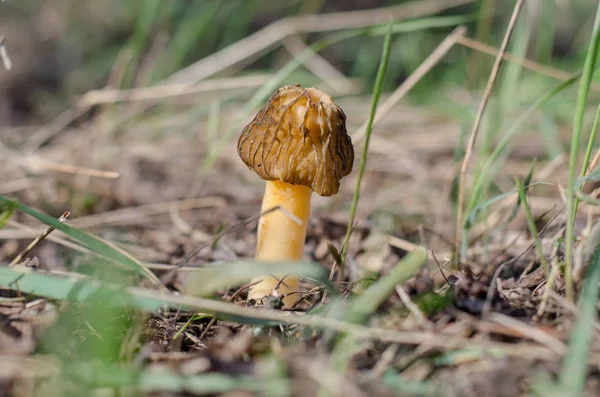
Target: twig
(16, 185)
(129, 215)
(478, 118)
(29, 231)
(37, 240)
(40, 164)
(530, 331)
(594, 161)
(387, 359)
(432, 59)
(108, 95)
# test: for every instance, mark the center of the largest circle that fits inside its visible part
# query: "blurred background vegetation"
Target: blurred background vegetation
(62, 48)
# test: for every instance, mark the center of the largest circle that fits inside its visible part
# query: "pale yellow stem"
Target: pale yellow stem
(281, 237)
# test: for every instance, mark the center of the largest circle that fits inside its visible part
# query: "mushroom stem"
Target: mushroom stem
(281, 237)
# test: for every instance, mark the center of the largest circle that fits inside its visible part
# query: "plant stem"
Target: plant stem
(363, 160)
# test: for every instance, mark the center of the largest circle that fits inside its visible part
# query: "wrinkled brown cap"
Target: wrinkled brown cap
(299, 137)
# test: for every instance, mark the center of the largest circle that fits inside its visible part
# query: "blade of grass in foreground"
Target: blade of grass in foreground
(385, 57)
(572, 202)
(364, 306)
(80, 289)
(75, 289)
(208, 280)
(94, 244)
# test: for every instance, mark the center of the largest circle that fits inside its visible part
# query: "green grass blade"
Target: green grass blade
(584, 88)
(526, 184)
(593, 176)
(6, 212)
(531, 224)
(385, 57)
(76, 288)
(81, 289)
(93, 243)
(365, 304)
(590, 146)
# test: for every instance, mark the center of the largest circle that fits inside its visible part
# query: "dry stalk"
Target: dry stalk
(37, 240)
(132, 215)
(27, 232)
(529, 331)
(108, 95)
(429, 63)
(524, 62)
(478, 118)
(38, 164)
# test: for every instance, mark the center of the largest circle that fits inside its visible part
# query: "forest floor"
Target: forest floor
(160, 180)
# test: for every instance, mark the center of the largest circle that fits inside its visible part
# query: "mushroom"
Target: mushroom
(298, 143)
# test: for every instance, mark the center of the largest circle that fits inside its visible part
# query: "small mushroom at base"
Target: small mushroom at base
(298, 143)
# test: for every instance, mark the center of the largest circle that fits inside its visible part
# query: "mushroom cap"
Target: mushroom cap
(300, 138)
